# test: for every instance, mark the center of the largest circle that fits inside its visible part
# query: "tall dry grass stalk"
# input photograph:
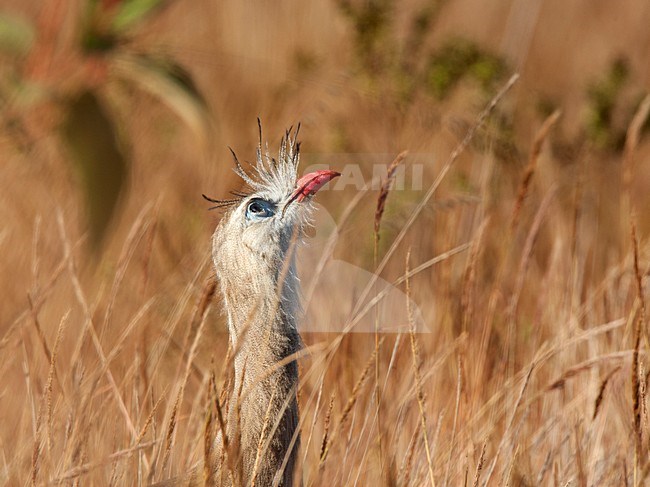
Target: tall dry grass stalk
(418, 380)
(385, 188)
(632, 137)
(639, 329)
(523, 266)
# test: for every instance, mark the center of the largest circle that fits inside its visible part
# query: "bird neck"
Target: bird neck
(263, 335)
(262, 318)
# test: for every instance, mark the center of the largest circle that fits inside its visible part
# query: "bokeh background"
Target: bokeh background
(116, 115)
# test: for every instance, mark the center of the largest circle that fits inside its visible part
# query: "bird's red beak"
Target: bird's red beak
(310, 183)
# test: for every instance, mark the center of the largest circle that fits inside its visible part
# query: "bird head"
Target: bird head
(262, 224)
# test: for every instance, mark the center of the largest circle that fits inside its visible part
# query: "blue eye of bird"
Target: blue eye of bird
(259, 209)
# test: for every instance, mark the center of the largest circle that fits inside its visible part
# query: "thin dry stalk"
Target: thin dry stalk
(227, 369)
(169, 441)
(408, 459)
(87, 467)
(632, 138)
(236, 440)
(601, 391)
(416, 371)
(455, 154)
(459, 378)
(528, 250)
(136, 233)
(479, 467)
(379, 212)
(226, 454)
(640, 321)
(36, 261)
(466, 300)
(261, 441)
(511, 420)
(526, 255)
(348, 407)
(526, 179)
(436, 434)
(171, 428)
(416, 270)
(198, 315)
(386, 186)
(149, 419)
(40, 299)
(90, 327)
(294, 438)
(50, 377)
(158, 351)
(39, 330)
(576, 262)
(208, 438)
(582, 475)
(326, 426)
(46, 404)
(508, 475)
(146, 255)
(313, 421)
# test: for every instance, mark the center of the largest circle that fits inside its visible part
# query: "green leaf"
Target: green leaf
(169, 82)
(16, 35)
(91, 138)
(133, 11)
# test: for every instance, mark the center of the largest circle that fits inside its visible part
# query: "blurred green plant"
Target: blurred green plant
(611, 107)
(74, 78)
(408, 64)
(95, 149)
(16, 35)
(603, 96)
(371, 21)
(459, 58)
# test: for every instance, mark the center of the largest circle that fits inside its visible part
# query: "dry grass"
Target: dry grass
(533, 282)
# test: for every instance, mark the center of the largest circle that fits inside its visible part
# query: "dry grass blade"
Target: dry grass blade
(416, 270)
(87, 467)
(208, 437)
(601, 391)
(631, 142)
(313, 421)
(640, 324)
(524, 185)
(466, 300)
(90, 326)
(585, 366)
(39, 329)
(40, 300)
(326, 426)
(136, 233)
(51, 374)
(379, 211)
(408, 459)
(149, 420)
(452, 441)
(511, 420)
(46, 404)
(171, 427)
(348, 408)
(416, 372)
(479, 467)
(227, 453)
(386, 186)
(263, 435)
(460, 148)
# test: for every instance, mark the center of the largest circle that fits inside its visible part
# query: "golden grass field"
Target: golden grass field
(534, 288)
